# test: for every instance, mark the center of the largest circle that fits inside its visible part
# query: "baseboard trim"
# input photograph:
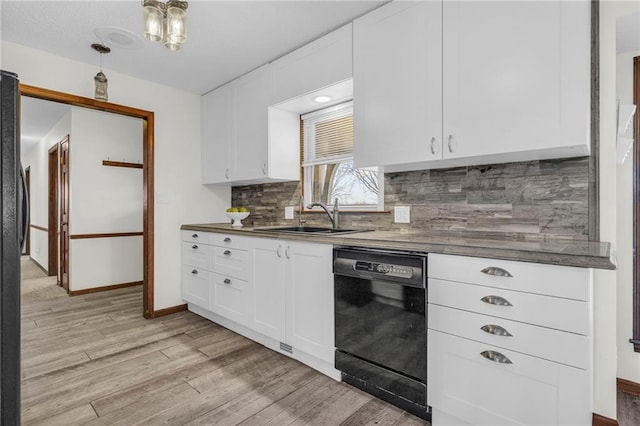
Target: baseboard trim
(104, 288)
(599, 420)
(39, 265)
(628, 386)
(170, 310)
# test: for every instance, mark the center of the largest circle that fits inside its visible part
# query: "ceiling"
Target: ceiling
(628, 33)
(226, 38)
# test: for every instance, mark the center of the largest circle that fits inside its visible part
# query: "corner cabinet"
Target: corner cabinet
(441, 84)
(509, 343)
(238, 144)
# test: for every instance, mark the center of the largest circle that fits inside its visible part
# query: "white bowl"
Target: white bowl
(236, 218)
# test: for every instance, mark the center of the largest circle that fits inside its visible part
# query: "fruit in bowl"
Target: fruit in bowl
(237, 214)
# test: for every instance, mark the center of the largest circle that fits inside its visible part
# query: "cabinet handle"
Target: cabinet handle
(227, 240)
(496, 300)
(496, 357)
(194, 236)
(433, 145)
(226, 173)
(227, 281)
(279, 251)
(496, 330)
(496, 271)
(286, 253)
(450, 143)
(195, 247)
(264, 169)
(194, 272)
(227, 253)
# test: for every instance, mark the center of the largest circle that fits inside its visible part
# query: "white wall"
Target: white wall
(104, 199)
(37, 158)
(606, 282)
(177, 150)
(628, 359)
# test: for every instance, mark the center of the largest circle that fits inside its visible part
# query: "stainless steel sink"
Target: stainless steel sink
(311, 230)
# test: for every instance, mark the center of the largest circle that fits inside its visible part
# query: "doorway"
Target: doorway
(147, 118)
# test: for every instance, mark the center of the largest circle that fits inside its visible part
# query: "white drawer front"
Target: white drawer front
(231, 262)
(197, 237)
(196, 287)
(553, 312)
(531, 391)
(552, 280)
(230, 298)
(230, 241)
(559, 346)
(197, 254)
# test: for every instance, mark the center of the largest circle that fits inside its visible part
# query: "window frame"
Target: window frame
(308, 146)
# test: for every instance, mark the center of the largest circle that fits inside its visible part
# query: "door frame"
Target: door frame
(27, 179)
(148, 121)
(52, 233)
(63, 205)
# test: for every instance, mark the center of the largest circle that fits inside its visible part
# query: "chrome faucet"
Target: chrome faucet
(335, 217)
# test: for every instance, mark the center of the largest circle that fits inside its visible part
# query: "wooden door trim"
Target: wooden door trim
(27, 178)
(53, 166)
(106, 235)
(635, 339)
(63, 205)
(148, 126)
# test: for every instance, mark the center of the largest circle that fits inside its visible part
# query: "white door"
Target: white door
(218, 137)
(309, 291)
(268, 298)
(515, 76)
(397, 73)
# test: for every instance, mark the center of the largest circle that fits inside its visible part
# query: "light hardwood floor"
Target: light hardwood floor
(93, 359)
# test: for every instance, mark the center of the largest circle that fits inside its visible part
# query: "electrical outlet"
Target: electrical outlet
(288, 212)
(402, 214)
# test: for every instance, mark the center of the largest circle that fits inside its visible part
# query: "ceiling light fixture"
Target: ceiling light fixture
(322, 99)
(100, 79)
(166, 22)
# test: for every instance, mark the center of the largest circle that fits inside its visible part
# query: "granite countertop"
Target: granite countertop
(557, 252)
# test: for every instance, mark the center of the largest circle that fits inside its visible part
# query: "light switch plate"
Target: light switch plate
(402, 214)
(288, 212)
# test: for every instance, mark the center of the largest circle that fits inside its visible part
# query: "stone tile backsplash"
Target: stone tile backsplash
(533, 200)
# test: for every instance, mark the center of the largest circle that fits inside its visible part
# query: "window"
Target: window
(328, 163)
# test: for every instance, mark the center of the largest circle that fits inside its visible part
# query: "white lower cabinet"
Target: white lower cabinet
(503, 351)
(268, 298)
(196, 287)
(230, 298)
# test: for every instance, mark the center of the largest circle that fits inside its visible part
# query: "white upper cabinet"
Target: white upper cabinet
(439, 84)
(397, 77)
(218, 136)
(318, 64)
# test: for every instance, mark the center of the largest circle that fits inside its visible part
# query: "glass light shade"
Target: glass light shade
(153, 25)
(101, 87)
(176, 26)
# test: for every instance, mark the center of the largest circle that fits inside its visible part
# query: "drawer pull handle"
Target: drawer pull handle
(227, 281)
(194, 236)
(195, 247)
(279, 251)
(450, 143)
(496, 300)
(433, 145)
(194, 272)
(496, 357)
(286, 253)
(496, 271)
(227, 240)
(496, 330)
(227, 253)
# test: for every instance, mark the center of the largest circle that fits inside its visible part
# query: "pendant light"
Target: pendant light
(100, 79)
(166, 22)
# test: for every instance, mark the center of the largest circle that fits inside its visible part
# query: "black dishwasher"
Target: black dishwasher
(381, 325)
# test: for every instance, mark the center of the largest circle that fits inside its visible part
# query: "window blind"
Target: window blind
(333, 137)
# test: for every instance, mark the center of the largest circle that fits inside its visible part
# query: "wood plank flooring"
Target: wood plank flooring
(94, 360)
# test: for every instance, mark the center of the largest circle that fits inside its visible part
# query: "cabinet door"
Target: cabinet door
(196, 285)
(230, 298)
(253, 95)
(516, 79)
(268, 298)
(309, 291)
(319, 64)
(218, 137)
(397, 73)
(470, 388)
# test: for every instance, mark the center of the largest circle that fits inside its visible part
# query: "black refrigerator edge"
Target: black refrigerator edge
(14, 221)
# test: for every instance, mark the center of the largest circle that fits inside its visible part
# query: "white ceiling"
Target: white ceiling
(628, 33)
(226, 38)
(37, 118)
